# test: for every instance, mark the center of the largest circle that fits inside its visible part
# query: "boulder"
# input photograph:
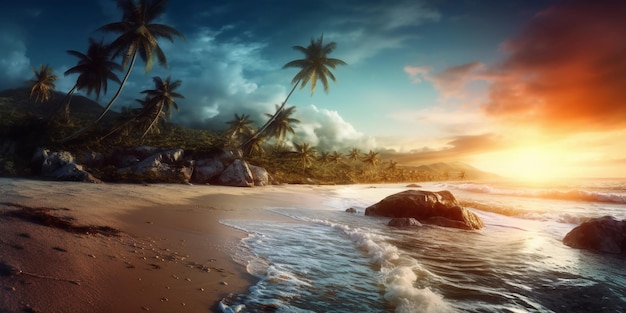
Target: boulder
(439, 208)
(413, 186)
(351, 210)
(236, 174)
(207, 169)
(404, 222)
(165, 166)
(260, 175)
(60, 166)
(603, 234)
(73, 172)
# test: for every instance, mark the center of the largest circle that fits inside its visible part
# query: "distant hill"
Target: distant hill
(455, 170)
(13, 100)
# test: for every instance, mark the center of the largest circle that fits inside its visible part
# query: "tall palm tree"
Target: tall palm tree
(160, 101)
(138, 35)
(282, 124)
(239, 126)
(42, 84)
(94, 70)
(315, 66)
(324, 157)
(305, 154)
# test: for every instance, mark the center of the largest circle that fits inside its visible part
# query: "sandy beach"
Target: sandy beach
(78, 247)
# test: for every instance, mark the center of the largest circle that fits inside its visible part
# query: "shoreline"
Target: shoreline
(171, 252)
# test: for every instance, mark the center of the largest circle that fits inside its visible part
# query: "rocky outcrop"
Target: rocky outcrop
(351, 210)
(603, 234)
(162, 166)
(438, 208)
(260, 176)
(237, 174)
(60, 166)
(404, 222)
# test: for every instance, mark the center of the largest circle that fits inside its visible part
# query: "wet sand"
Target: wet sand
(79, 247)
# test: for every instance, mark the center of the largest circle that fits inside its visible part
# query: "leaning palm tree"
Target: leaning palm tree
(160, 101)
(42, 84)
(315, 66)
(282, 124)
(253, 144)
(138, 35)
(305, 154)
(94, 70)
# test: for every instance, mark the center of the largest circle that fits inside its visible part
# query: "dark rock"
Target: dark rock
(413, 186)
(207, 169)
(260, 175)
(165, 166)
(351, 210)
(237, 175)
(404, 222)
(439, 208)
(60, 166)
(603, 234)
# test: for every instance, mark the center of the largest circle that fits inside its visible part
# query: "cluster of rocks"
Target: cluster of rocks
(412, 208)
(152, 165)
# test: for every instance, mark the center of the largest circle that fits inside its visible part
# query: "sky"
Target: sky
(530, 89)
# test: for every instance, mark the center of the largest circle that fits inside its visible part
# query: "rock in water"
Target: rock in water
(603, 234)
(404, 222)
(439, 208)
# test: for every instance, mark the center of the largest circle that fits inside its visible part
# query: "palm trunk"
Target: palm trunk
(106, 109)
(66, 109)
(68, 96)
(156, 118)
(262, 129)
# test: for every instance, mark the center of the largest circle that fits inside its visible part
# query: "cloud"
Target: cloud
(452, 82)
(455, 149)
(328, 131)
(566, 70)
(14, 64)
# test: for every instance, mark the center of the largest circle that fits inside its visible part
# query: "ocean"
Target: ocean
(332, 261)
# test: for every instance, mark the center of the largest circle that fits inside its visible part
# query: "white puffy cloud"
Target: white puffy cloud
(328, 131)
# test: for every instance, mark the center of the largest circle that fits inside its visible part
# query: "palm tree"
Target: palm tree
(239, 126)
(353, 155)
(42, 84)
(160, 101)
(138, 36)
(324, 157)
(305, 154)
(282, 124)
(315, 66)
(336, 157)
(252, 144)
(371, 158)
(94, 69)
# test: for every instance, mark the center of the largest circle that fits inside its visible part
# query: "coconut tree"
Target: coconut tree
(138, 36)
(239, 126)
(315, 66)
(160, 101)
(42, 85)
(371, 158)
(336, 157)
(305, 154)
(353, 155)
(282, 124)
(94, 70)
(253, 144)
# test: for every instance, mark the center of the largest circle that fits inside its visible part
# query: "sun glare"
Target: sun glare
(533, 164)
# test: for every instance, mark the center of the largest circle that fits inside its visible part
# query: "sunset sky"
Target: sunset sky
(528, 89)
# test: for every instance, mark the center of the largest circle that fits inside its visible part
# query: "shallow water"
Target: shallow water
(333, 261)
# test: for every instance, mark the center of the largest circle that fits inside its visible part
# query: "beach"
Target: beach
(158, 248)
(77, 247)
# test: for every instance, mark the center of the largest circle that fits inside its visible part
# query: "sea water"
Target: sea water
(333, 261)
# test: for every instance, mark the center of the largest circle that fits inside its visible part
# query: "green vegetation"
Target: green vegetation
(27, 115)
